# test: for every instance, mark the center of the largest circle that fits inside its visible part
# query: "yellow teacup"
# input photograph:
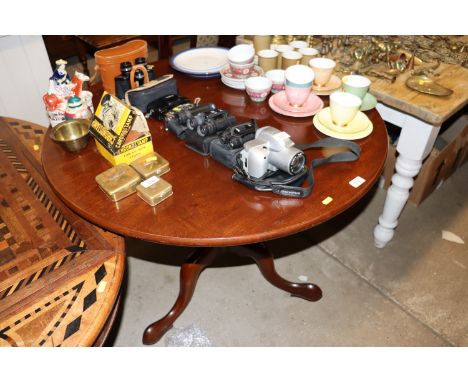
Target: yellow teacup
(344, 107)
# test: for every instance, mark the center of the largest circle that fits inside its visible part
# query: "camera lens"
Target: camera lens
(297, 163)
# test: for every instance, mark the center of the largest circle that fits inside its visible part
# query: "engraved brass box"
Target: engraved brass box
(151, 164)
(154, 190)
(118, 182)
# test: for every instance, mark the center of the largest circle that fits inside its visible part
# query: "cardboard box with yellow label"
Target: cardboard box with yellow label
(120, 131)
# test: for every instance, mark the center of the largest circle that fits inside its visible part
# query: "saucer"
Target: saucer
(368, 102)
(233, 85)
(279, 103)
(226, 72)
(333, 84)
(359, 127)
(359, 122)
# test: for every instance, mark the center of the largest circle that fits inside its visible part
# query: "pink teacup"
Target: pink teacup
(297, 96)
(298, 84)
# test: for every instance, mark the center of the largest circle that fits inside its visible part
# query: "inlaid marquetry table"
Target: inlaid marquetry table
(208, 209)
(60, 275)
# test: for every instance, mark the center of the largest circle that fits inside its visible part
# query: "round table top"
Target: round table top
(208, 208)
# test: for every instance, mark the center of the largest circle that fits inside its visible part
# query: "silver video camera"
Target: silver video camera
(271, 150)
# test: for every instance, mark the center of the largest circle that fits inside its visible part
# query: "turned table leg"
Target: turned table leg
(189, 273)
(265, 262)
(415, 143)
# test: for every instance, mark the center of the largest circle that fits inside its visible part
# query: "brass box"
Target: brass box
(154, 190)
(151, 164)
(118, 182)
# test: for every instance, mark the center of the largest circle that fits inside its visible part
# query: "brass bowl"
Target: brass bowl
(72, 134)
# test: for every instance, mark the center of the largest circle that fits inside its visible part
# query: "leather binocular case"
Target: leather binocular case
(108, 60)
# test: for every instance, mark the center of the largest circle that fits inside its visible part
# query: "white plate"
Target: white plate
(232, 81)
(200, 60)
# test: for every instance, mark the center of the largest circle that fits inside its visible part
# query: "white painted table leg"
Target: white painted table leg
(397, 195)
(415, 143)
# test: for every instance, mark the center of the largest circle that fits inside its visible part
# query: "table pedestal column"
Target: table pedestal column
(199, 260)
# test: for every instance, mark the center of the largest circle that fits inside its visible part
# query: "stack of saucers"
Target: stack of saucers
(235, 81)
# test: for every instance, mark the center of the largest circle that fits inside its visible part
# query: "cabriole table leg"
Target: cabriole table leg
(265, 262)
(189, 273)
(202, 258)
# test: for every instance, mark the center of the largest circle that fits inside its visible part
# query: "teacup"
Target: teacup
(323, 69)
(241, 70)
(307, 55)
(277, 78)
(290, 58)
(298, 44)
(298, 84)
(281, 49)
(258, 88)
(261, 42)
(241, 54)
(344, 107)
(356, 84)
(267, 59)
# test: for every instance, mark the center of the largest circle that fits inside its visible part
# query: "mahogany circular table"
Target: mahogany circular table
(208, 209)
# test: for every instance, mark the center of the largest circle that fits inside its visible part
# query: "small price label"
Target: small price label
(327, 200)
(150, 181)
(357, 181)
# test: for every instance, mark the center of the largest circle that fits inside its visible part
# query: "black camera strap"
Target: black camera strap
(290, 185)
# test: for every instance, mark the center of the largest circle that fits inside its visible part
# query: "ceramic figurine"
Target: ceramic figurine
(62, 90)
(77, 83)
(54, 111)
(59, 83)
(77, 109)
(85, 95)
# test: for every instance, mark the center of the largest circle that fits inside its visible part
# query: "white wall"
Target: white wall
(24, 77)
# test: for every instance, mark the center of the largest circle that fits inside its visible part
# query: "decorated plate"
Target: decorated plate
(257, 71)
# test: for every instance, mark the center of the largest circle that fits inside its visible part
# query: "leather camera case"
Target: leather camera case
(223, 153)
(150, 91)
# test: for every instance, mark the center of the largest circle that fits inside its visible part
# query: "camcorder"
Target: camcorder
(160, 107)
(204, 127)
(230, 142)
(235, 136)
